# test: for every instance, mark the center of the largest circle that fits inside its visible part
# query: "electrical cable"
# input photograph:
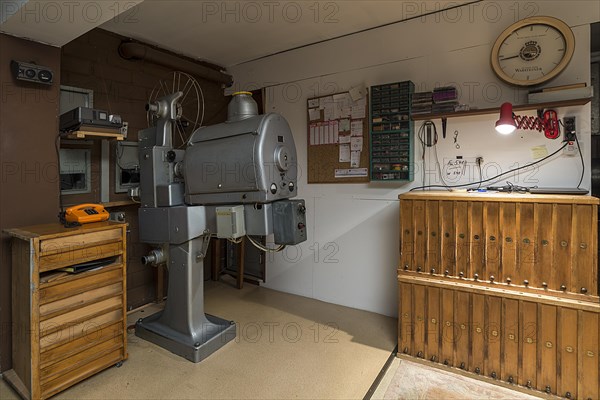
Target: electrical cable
(580, 154)
(582, 162)
(497, 176)
(420, 136)
(57, 148)
(263, 248)
(437, 161)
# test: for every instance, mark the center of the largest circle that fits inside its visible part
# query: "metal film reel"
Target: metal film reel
(190, 106)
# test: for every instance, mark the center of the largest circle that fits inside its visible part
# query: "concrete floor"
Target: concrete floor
(285, 348)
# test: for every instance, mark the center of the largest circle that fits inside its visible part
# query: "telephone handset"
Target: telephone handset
(85, 213)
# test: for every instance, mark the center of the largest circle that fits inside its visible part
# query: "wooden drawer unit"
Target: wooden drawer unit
(66, 326)
(526, 242)
(542, 342)
(503, 286)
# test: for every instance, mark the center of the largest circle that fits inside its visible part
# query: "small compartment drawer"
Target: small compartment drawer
(61, 382)
(79, 255)
(80, 300)
(113, 332)
(73, 317)
(69, 243)
(86, 356)
(56, 338)
(76, 284)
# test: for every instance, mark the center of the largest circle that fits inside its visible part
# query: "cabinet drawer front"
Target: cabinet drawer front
(76, 256)
(67, 304)
(86, 356)
(73, 317)
(86, 282)
(70, 243)
(72, 332)
(70, 378)
(112, 332)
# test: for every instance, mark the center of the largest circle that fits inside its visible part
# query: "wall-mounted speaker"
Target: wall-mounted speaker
(31, 72)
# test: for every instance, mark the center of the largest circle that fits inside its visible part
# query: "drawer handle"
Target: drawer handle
(529, 340)
(583, 246)
(405, 315)
(448, 323)
(545, 242)
(569, 349)
(549, 344)
(564, 243)
(478, 330)
(590, 353)
(511, 336)
(433, 321)
(463, 326)
(495, 333)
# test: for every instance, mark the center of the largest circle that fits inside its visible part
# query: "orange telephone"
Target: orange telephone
(84, 213)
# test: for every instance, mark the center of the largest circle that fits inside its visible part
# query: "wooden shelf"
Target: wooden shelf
(119, 203)
(92, 135)
(495, 110)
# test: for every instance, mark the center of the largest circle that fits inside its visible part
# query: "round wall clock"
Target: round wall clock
(533, 51)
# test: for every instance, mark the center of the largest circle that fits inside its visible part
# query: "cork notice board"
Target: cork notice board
(338, 138)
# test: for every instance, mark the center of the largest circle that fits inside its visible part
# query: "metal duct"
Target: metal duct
(137, 51)
(241, 106)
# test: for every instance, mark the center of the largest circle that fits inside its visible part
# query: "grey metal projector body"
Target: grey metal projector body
(249, 160)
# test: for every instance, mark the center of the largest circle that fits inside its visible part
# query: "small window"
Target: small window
(75, 167)
(73, 97)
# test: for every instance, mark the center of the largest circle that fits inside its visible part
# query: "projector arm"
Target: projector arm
(167, 111)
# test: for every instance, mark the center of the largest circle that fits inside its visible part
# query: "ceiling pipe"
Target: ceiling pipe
(137, 51)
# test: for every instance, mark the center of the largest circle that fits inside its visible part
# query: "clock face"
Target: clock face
(533, 51)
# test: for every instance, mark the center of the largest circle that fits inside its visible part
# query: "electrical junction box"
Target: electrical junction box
(289, 221)
(230, 222)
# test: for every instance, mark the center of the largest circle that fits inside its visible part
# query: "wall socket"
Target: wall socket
(569, 129)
